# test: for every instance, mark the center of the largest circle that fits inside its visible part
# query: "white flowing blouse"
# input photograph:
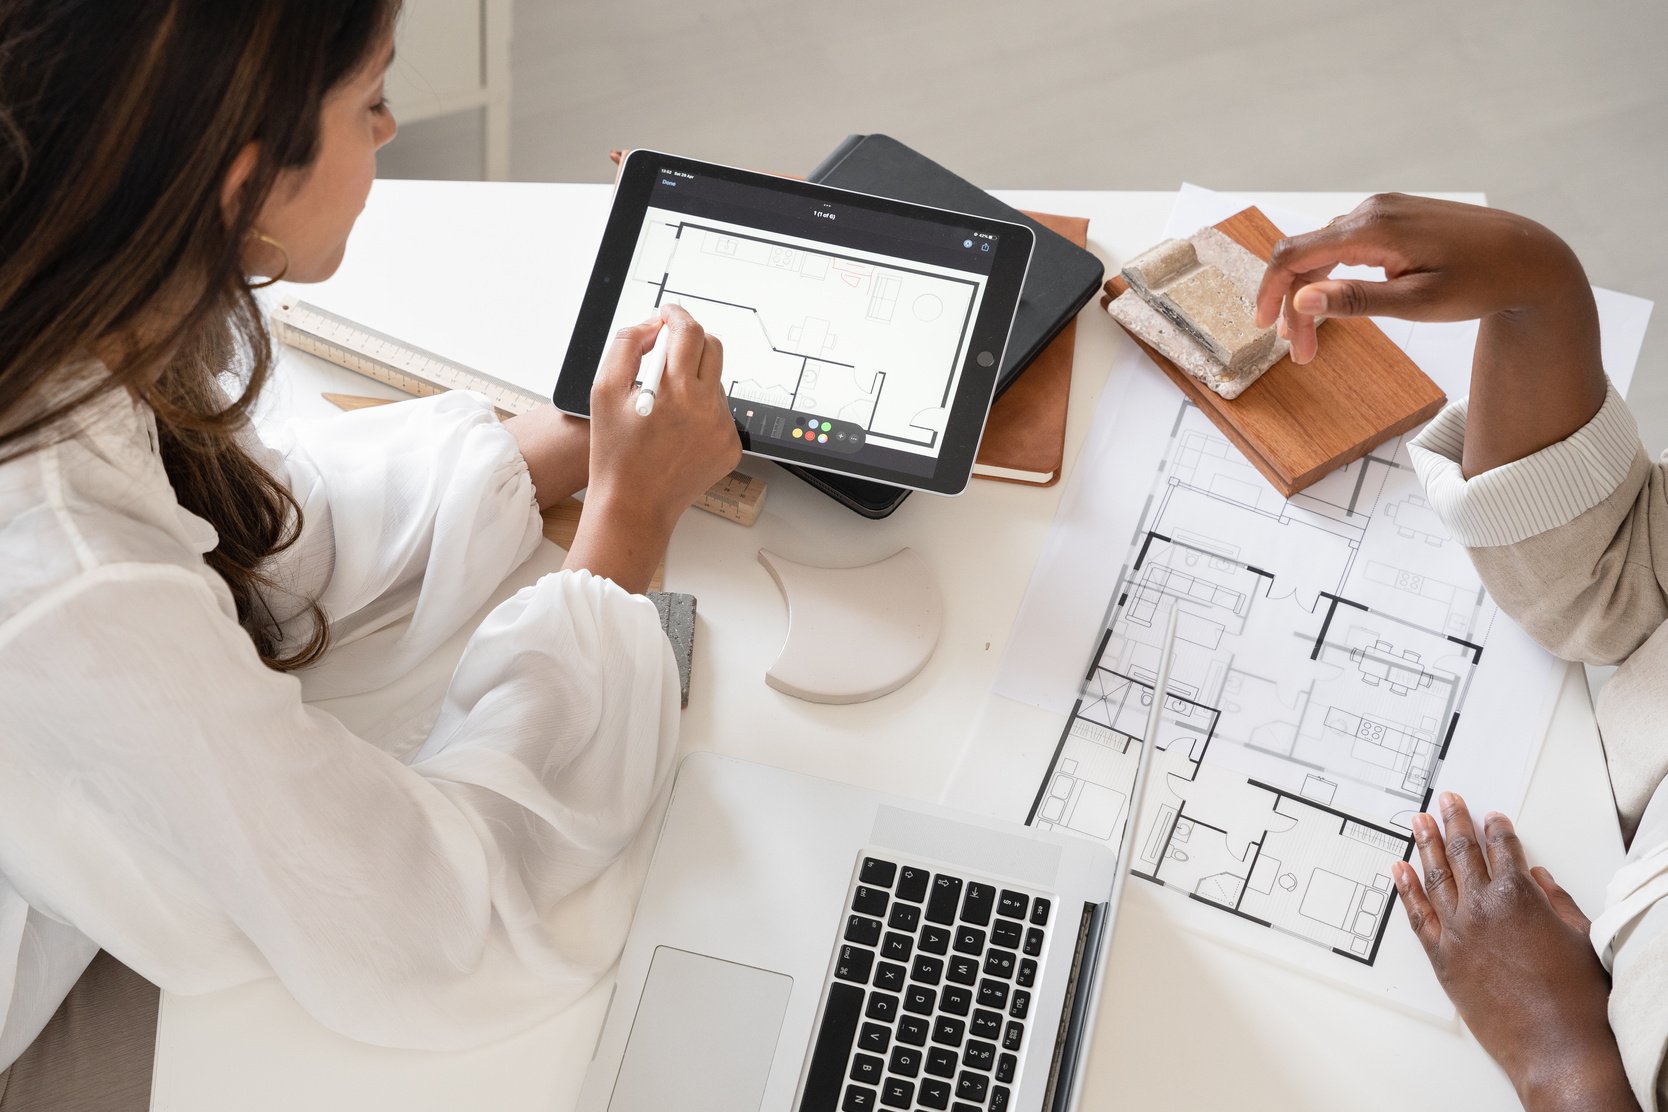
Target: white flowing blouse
(168, 798)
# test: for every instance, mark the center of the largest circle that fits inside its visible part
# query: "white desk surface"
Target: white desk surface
(491, 274)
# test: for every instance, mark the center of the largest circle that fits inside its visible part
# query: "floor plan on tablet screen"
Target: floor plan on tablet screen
(1325, 648)
(873, 342)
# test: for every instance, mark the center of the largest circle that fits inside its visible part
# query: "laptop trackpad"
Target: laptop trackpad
(704, 1036)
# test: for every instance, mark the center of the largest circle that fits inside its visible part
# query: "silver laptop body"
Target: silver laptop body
(741, 955)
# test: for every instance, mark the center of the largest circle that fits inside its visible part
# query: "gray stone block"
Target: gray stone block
(677, 618)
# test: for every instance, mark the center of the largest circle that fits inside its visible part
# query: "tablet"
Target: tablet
(862, 335)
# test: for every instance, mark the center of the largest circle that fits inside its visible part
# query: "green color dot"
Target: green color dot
(826, 426)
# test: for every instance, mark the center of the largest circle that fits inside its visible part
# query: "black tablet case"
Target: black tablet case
(1061, 280)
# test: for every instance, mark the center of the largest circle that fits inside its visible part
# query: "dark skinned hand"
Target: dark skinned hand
(1537, 375)
(1510, 948)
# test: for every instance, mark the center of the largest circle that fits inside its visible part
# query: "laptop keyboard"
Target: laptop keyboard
(930, 996)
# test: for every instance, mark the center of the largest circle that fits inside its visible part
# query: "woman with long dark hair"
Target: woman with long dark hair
(174, 592)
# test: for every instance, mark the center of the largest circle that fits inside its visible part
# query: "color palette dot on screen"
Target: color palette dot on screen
(797, 433)
(822, 438)
(826, 426)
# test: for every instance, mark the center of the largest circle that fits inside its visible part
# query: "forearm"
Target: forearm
(621, 540)
(557, 448)
(1537, 375)
(1589, 1079)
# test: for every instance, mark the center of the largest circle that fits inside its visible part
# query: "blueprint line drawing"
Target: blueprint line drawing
(1325, 648)
(829, 332)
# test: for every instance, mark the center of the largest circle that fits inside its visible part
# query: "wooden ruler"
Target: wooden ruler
(377, 355)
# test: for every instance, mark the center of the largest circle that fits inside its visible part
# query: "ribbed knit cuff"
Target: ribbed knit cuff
(1540, 492)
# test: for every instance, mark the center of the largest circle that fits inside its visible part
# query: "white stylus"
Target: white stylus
(648, 378)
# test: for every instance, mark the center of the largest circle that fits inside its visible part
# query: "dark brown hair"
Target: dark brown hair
(119, 123)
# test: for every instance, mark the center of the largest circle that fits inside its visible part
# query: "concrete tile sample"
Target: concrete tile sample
(677, 618)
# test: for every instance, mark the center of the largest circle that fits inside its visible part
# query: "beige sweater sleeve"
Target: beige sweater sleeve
(1571, 541)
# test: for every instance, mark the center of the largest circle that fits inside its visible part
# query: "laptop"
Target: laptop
(808, 946)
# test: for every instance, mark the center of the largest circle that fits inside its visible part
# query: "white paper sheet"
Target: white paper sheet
(1342, 663)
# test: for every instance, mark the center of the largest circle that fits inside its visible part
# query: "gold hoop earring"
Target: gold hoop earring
(282, 270)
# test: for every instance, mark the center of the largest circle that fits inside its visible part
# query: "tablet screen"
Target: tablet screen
(859, 334)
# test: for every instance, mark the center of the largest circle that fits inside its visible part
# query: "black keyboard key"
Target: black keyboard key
(1012, 1036)
(956, 1000)
(840, 1016)
(1039, 912)
(869, 901)
(928, 971)
(994, 994)
(906, 1062)
(1013, 904)
(1021, 1007)
(971, 1086)
(978, 1055)
(963, 971)
(948, 1031)
(897, 946)
(912, 884)
(941, 905)
(987, 1024)
(920, 999)
(941, 1062)
(935, 940)
(874, 1038)
(934, 1093)
(998, 1099)
(904, 917)
(999, 963)
(1033, 941)
(913, 1031)
(858, 1099)
(1006, 933)
(862, 930)
(975, 908)
(970, 940)
(882, 1006)
(1005, 1067)
(854, 964)
(891, 976)
(1027, 973)
(897, 1093)
(877, 872)
(868, 1069)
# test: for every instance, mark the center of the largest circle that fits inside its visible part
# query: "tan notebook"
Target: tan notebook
(1297, 424)
(1025, 434)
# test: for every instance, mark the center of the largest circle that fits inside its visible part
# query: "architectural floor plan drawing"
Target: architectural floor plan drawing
(831, 332)
(1325, 649)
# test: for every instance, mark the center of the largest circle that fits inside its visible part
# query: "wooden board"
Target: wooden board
(1297, 424)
